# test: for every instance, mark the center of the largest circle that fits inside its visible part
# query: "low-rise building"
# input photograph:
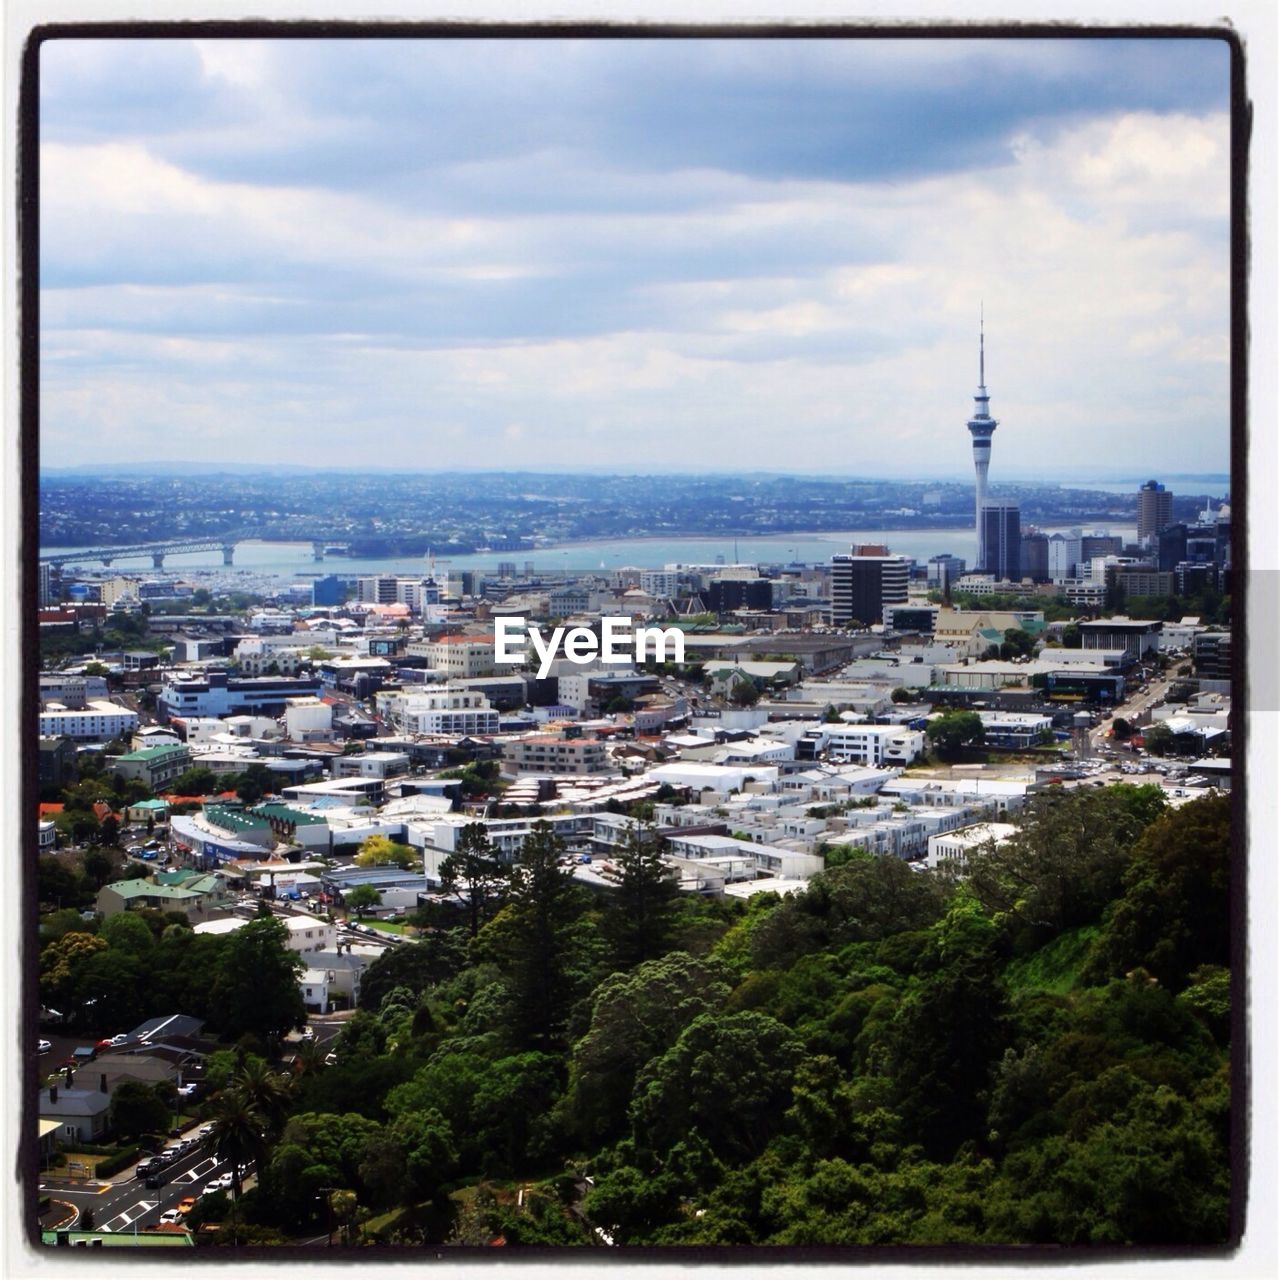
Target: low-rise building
(155, 767)
(549, 754)
(953, 849)
(98, 721)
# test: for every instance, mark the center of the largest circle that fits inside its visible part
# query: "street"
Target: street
(128, 1203)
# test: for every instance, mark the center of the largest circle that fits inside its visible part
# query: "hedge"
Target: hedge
(113, 1164)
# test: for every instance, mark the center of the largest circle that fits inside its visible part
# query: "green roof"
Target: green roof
(123, 1239)
(152, 753)
(233, 819)
(274, 809)
(146, 889)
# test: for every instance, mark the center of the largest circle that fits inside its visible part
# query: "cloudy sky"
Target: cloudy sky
(636, 254)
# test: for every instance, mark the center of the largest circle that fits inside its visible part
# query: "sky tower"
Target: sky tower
(981, 427)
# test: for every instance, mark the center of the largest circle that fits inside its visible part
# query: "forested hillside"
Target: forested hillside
(1037, 1053)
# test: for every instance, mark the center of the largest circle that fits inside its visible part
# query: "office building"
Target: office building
(1035, 556)
(1155, 510)
(944, 569)
(864, 587)
(1002, 541)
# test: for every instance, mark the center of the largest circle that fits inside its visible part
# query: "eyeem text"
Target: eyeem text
(617, 643)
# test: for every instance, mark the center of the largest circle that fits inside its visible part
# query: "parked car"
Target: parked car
(171, 1215)
(205, 1130)
(44, 1046)
(186, 1204)
(212, 1188)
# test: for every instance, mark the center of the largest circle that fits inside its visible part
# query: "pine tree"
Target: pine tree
(536, 938)
(640, 915)
(473, 873)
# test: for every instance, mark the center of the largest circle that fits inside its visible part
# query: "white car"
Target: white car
(204, 1130)
(212, 1188)
(44, 1046)
(171, 1215)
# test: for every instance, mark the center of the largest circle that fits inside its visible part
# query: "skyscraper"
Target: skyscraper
(981, 427)
(1155, 510)
(1001, 531)
(864, 586)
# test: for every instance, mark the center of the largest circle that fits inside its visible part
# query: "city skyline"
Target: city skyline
(713, 255)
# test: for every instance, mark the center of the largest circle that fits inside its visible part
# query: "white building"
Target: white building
(871, 744)
(308, 720)
(953, 848)
(458, 657)
(444, 712)
(98, 722)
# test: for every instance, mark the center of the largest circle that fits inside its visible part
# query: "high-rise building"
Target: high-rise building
(1001, 529)
(1172, 543)
(1155, 510)
(1035, 556)
(864, 587)
(1064, 555)
(981, 427)
(944, 569)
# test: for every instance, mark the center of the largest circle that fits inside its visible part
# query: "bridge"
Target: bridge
(224, 542)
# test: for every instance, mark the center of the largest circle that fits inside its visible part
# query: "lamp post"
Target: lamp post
(328, 1214)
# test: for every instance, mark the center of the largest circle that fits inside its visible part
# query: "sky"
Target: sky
(637, 255)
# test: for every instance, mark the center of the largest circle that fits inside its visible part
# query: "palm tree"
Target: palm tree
(268, 1092)
(239, 1132)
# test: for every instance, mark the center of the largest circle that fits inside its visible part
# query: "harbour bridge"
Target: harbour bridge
(224, 542)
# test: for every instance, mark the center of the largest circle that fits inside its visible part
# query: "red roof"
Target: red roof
(48, 808)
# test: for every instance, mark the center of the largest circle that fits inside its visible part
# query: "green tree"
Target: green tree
(474, 874)
(746, 693)
(254, 987)
(361, 898)
(239, 1133)
(954, 732)
(415, 965)
(641, 911)
(900, 694)
(255, 782)
(268, 1092)
(948, 1030)
(1063, 864)
(1173, 914)
(534, 943)
(1017, 643)
(1158, 738)
(196, 781)
(728, 1076)
(137, 1108)
(634, 1017)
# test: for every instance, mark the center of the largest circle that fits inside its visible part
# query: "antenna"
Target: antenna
(982, 360)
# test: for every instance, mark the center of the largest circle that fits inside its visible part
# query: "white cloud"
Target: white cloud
(776, 322)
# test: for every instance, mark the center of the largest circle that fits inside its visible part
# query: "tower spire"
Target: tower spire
(982, 355)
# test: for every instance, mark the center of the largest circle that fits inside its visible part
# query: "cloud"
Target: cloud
(765, 252)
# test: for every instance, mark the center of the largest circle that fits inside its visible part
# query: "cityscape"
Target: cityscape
(771, 788)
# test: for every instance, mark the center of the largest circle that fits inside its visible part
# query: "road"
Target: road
(129, 1203)
(1137, 708)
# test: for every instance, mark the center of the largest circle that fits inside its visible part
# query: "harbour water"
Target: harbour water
(293, 561)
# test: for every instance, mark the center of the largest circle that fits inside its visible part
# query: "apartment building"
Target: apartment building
(546, 753)
(97, 721)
